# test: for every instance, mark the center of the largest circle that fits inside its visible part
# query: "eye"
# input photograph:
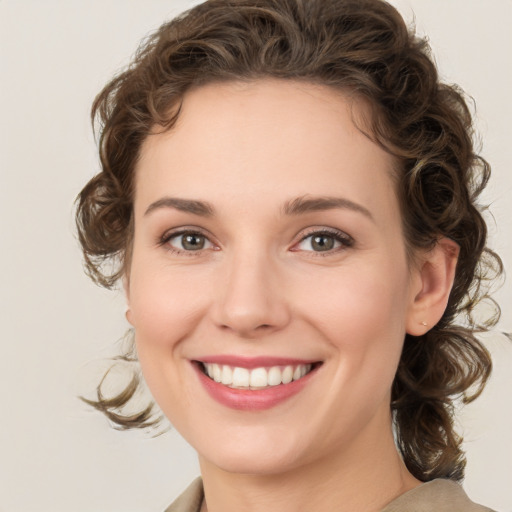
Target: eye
(324, 241)
(188, 241)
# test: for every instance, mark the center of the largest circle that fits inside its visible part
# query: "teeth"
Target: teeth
(227, 375)
(256, 378)
(241, 377)
(217, 373)
(259, 378)
(287, 374)
(274, 376)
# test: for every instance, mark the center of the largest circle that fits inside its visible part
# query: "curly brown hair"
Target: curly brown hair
(365, 47)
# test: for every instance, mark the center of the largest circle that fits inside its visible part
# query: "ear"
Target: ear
(126, 289)
(431, 286)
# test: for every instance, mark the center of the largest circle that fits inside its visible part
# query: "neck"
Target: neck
(362, 478)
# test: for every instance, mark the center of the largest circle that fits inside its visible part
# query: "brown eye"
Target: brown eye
(324, 242)
(189, 242)
(193, 242)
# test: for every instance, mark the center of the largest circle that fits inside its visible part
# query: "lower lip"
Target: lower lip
(252, 399)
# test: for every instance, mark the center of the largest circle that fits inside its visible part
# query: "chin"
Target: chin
(252, 464)
(257, 452)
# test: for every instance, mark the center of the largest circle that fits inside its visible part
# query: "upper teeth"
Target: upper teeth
(238, 377)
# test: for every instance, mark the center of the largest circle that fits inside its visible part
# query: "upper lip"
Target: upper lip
(254, 362)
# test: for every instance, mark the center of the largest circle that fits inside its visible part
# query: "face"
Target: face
(269, 286)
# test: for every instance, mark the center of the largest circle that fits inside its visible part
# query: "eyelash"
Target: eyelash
(167, 237)
(340, 237)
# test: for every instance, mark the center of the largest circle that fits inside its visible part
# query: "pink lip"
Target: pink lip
(247, 399)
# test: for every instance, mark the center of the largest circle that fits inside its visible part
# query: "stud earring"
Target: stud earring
(424, 324)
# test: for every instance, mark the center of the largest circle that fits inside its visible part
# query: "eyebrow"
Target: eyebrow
(306, 204)
(201, 208)
(297, 206)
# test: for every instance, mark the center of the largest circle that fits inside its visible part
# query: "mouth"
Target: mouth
(254, 383)
(258, 378)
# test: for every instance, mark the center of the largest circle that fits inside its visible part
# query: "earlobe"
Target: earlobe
(128, 315)
(128, 312)
(436, 274)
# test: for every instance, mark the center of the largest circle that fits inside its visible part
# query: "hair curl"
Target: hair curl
(361, 46)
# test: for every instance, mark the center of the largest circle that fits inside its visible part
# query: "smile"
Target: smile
(254, 384)
(237, 377)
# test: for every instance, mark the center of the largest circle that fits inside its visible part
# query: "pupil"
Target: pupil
(193, 242)
(322, 243)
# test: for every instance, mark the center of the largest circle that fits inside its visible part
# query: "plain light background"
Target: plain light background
(55, 454)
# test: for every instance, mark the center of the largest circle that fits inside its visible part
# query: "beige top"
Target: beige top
(437, 495)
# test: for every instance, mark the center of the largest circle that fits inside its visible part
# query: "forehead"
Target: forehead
(267, 138)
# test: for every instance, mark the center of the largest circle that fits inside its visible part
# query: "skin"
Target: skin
(260, 288)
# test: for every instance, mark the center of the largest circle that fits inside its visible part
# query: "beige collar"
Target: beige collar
(438, 495)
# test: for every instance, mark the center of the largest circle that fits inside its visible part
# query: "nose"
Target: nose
(250, 299)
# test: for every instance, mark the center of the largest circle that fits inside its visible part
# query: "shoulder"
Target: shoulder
(191, 500)
(438, 495)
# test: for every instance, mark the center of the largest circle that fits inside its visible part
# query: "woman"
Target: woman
(288, 194)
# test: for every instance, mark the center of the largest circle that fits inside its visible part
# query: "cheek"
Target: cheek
(165, 304)
(165, 307)
(362, 318)
(353, 303)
